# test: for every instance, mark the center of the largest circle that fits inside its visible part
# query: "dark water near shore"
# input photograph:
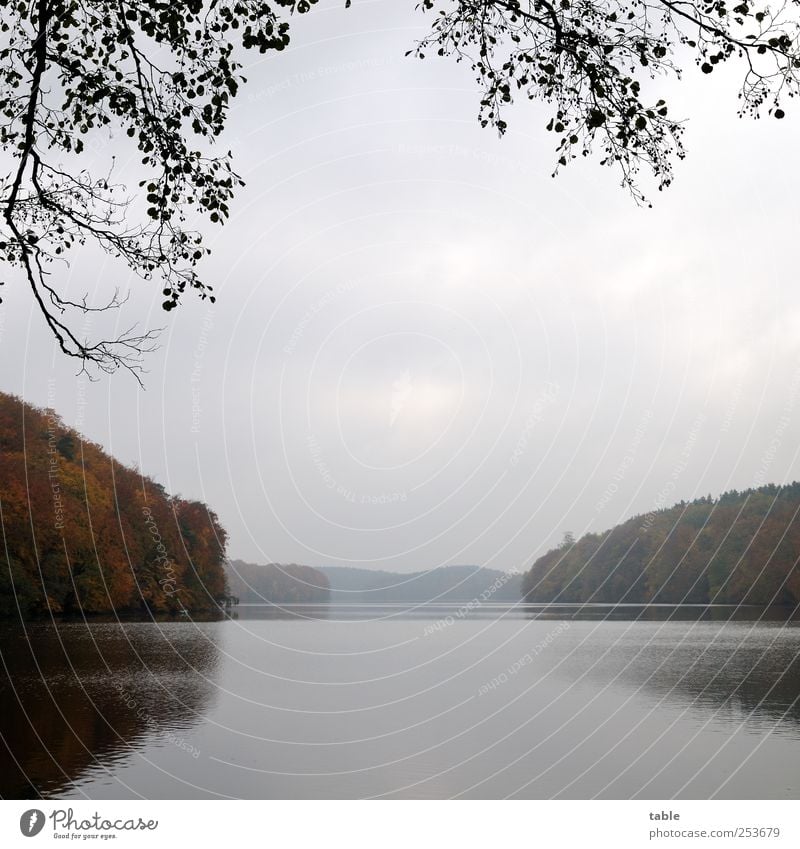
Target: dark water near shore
(423, 702)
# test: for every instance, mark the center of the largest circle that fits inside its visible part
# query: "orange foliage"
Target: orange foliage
(81, 532)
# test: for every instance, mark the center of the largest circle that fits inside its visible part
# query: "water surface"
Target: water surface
(422, 702)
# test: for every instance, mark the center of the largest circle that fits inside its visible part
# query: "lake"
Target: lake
(441, 701)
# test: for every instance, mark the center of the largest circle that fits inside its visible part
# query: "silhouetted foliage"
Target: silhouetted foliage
(743, 547)
(568, 540)
(164, 75)
(592, 62)
(81, 532)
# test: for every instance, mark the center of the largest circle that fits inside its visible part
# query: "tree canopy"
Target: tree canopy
(273, 583)
(164, 74)
(741, 548)
(593, 62)
(81, 533)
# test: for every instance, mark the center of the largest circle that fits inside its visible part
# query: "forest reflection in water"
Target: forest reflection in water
(351, 701)
(76, 696)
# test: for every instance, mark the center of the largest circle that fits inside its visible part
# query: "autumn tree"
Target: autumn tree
(81, 533)
(742, 548)
(163, 76)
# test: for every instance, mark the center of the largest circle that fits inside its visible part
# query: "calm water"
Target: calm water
(390, 702)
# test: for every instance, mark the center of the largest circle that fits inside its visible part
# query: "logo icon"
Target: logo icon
(31, 822)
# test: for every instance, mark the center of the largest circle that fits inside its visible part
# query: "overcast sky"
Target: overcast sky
(427, 351)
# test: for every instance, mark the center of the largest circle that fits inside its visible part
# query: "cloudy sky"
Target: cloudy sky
(426, 350)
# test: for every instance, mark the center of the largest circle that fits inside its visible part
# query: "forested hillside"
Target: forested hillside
(252, 583)
(284, 584)
(444, 584)
(742, 547)
(82, 532)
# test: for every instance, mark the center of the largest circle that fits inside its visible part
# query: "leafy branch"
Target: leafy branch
(165, 74)
(591, 61)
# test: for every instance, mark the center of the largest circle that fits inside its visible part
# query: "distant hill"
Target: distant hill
(742, 547)
(82, 532)
(452, 584)
(252, 583)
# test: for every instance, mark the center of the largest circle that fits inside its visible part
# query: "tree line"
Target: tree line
(83, 533)
(740, 548)
(274, 583)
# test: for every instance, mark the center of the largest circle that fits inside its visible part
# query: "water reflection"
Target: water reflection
(740, 674)
(347, 701)
(77, 696)
(741, 661)
(663, 612)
